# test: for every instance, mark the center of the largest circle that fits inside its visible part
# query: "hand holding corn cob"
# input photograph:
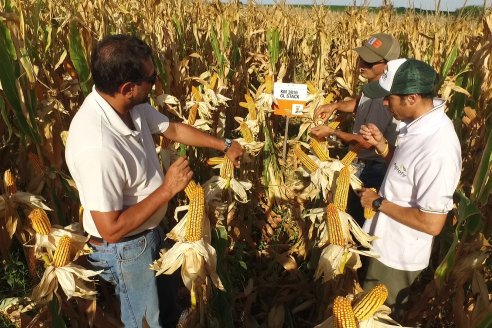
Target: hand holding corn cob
(177, 176)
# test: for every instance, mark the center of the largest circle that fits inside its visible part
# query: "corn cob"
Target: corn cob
(36, 163)
(329, 98)
(196, 94)
(368, 211)
(246, 132)
(371, 302)
(341, 193)
(189, 188)
(250, 106)
(334, 226)
(349, 157)
(63, 252)
(269, 84)
(227, 169)
(215, 160)
(192, 114)
(310, 165)
(212, 83)
(194, 223)
(311, 88)
(39, 221)
(333, 124)
(9, 181)
(319, 149)
(343, 313)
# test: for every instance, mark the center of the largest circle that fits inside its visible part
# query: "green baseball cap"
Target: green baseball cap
(378, 47)
(403, 77)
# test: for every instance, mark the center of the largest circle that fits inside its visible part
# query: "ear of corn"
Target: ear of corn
(192, 114)
(194, 223)
(349, 157)
(212, 83)
(40, 221)
(269, 84)
(310, 165)
(371, 302)
(63, 252)
(9, 182)
(334, 226)
(334, 124)
(196, 94)
(189, 188)
(246, 132)
(368, 211)
(311, 88)
(227, 169)
(341, 193)
(215, 160)
(319, 148)
(250, 106)
(343, 314)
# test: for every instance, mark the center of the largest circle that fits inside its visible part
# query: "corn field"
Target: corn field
(272, 222)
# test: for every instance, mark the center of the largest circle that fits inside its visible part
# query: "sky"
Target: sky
(450, 5)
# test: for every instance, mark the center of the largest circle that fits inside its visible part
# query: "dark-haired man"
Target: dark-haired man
(111, 155)
(373, 56)
(423, 172)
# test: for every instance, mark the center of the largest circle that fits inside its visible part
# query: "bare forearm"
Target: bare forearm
(347, 106)
(380, 148)
(352, 139)
(191, 136)
(412, 217)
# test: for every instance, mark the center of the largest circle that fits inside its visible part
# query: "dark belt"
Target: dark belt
(99, 241)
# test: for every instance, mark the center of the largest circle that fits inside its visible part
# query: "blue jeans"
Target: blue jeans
(371, 175)
(140, 292)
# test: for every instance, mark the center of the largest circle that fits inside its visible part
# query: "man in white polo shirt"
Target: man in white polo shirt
(423, 171)
(111, 155)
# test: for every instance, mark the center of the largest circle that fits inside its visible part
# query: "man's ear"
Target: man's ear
(412, 99)
(126, 89)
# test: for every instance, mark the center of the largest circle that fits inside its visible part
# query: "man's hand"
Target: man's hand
(372, 135)
(177, 176)
(322, 131)
(235, 153)
(325, 111)
(367, 196)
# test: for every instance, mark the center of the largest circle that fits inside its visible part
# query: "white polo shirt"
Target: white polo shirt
(423, 173)
(113, 166)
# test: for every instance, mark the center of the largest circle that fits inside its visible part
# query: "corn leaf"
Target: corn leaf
(77, 55)
(482, 184)
(3, 112)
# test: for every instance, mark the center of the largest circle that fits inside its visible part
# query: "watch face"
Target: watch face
(377, 203)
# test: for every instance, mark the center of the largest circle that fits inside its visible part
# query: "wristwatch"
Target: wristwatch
(228, 144)
(376, 204)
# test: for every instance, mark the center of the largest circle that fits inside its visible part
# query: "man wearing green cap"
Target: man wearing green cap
(423, 172)
(373, 56)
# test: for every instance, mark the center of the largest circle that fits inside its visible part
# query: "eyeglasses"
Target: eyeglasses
(149, 79)
(363, 63)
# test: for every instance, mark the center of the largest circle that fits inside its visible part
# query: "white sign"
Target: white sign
(291, 97)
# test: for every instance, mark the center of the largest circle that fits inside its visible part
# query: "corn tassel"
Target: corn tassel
(368, 211)
(343, 314)
(371, 302)
(341, 193)
(227, 169)
(196, 211)
(334, 226)
(9, 181)
(349, 157)
(63, 252)
(319, 148)
(192, 114)
(40, 221)
(246, 132)
(190, 187)
(215, 160)
(196, 94)
(310, 165)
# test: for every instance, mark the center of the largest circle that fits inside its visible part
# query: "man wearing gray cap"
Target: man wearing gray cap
(373, 56)
(423, 172)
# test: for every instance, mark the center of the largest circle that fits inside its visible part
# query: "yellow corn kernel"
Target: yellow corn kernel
(343, 314)
(371, 302)
(189, 188)
(334, 124)
(250, 106)
(192, 114)
(36, 163)
(246, 132)
(227, 169)
(9, 181)
(310, 165)
(196, 211)
(311, 88)
(269, 84)
(212, 83)
(341, 193)
(319, 148)
(63, 252)
(329, 98)
(215, 160)
(368, 211)
(349, 157)
(196, 94)
(40, 221)
(334, 226)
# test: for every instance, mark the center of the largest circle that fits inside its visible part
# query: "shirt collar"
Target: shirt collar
(110, 115)
(428, 122)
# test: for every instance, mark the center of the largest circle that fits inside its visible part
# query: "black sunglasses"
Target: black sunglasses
(363, 63)
(149, 79)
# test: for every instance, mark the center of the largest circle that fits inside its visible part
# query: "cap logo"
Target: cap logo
(374, 42)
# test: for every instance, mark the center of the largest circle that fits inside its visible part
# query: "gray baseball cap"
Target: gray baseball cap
(378, 47)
